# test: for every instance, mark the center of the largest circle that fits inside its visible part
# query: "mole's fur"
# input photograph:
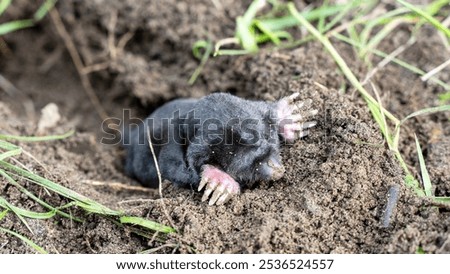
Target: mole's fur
(234, 136)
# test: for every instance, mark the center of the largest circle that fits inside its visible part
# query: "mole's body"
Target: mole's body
(219, 141)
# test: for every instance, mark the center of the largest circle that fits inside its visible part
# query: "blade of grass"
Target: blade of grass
(281, 23)
(3, 214)
(44, 9)
(423, 170)
(83, 201)
(4, 4)
(379, 116)
(80, 200)
(382, 19)
(36, 199)
(26, 213)
(427, 17)
(10, 153)
(395, 60)
(444, 97)
(322, 17)
(442, 199)
(338, 18)
(15, 25)
(208, 47)
(146, 223)
(244, 30)
(37, 138)
(340, 62)
(6, 205)
(377, 38)
(426, 111)
(25, 239)
(414, 184)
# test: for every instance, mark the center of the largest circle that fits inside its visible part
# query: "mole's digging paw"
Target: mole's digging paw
(217, 181)
(292, 117)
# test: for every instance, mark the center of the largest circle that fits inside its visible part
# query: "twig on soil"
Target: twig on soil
(388, 59)
(61, 29)
(118, 186)
(111, 37)
(153, 238)
(115, 51)
(153, 250)
(160, 181)
(54, 57)
(432, 72)
(7, 86)
(136, 201)
(96, 67)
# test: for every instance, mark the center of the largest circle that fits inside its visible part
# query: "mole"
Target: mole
(220, 142)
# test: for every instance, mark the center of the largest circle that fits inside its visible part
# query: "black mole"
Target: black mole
(219, 141)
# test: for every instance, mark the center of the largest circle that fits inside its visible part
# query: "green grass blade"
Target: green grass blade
(34, 198)
(442, 199)
(427, 17)
(281, 23)
(245, 35)
(262, 38)
(13, 209)
(338, 18)
(208, 48)
(423, 170)
(379, 119)
(244, 31)
(436, 6)
(4, 4)
(444, 97)
(414, 184)
(252, 10)
(382, 19)
(338, 59)
(269, 33)
(37, 138)
(3, 214)
(7, 145)
(26, 213)
(426, 111)
(15, 25)
(397, 61)
(63, 191)
(10, 153)
(146, 223)
(25, 239)
(44, 9)
(377, 38)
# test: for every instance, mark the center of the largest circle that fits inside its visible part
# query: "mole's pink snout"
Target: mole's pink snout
(276, 167)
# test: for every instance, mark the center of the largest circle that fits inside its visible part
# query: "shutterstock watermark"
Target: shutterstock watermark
(189, 128)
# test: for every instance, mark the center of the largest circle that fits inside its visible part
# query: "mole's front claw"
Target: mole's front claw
(292, 117)
(219, 183)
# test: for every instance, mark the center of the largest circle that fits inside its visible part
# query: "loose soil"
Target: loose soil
(334, 194)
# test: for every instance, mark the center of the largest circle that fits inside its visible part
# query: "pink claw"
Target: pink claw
(219, 182)
(292, 117)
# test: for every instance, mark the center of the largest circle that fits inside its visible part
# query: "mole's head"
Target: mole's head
(249, 151)
(242, 137)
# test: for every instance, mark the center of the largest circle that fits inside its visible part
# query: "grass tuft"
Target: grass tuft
(16, 25)
(423, 169)
(12, 172)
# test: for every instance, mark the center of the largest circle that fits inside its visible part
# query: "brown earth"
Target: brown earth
(334, 194)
